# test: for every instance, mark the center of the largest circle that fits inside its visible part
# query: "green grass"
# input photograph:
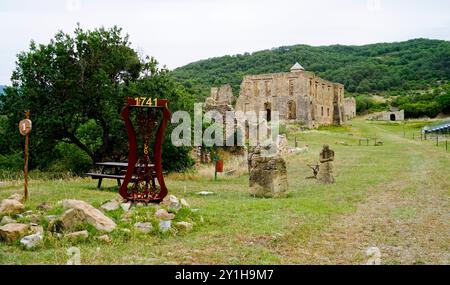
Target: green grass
(231, 227)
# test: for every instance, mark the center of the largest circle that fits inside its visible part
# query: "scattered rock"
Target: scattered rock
(81, 235)
(71, 219)
(34, 218)
(13, 232)
(35, 229)
(162, 214)
(144, 227)
(184, 226)
(126, 230)
(92, 215)
(205, 193)
(174, 204)
(125, 206)
(105, 238)
(184, 203)
(164, 226)
(18, 197)
(374, 256)
(51, 217)
(110, 206)
(32, 241)
(44, 207)
(7, 220)
(9, 207)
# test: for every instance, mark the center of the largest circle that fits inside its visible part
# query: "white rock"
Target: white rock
(374, 256)
(32, 241)
(174, 204)
(110, 206)
(205, 193)
(144, 227)
(164, 226)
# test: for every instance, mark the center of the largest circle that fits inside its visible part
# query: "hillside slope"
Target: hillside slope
(414, 64)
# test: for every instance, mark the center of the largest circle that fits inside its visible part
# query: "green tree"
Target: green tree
(75, 86)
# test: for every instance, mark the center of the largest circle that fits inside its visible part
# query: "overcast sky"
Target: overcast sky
(178, 32)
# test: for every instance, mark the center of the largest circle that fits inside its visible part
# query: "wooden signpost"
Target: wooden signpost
(25, 127)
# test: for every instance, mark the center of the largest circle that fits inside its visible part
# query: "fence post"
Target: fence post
(413, 136)
(446, 145)
(437, 139)
(296, 145)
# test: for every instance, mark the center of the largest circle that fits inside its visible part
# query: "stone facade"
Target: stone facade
(298, 96)
(221, 99)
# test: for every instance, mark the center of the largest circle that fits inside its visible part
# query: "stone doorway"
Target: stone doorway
(292, 110)
(268, 108)
(393, 117)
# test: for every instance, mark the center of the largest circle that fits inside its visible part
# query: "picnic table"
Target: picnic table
(111, 170)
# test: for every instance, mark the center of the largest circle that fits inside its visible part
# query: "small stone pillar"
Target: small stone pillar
(325, 174)
(268, 175)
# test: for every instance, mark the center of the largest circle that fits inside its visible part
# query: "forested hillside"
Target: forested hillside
(412, 65)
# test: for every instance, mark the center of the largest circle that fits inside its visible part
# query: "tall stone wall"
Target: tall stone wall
(297, 95)
(349, 108)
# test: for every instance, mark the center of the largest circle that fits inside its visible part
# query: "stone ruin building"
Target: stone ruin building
(298, 96)
(394, 115)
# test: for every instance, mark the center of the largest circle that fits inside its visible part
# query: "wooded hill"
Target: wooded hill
(411, 65)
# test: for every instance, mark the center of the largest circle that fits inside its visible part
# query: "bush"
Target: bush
(70, 159)
(12, 162)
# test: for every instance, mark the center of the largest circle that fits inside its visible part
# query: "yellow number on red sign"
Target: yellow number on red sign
(143, 101)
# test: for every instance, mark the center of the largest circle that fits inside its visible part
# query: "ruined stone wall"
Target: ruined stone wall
(221, 99)
(349, 108)
(298, 95)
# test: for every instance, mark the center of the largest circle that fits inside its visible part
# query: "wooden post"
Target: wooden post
(296, 145)
(413, 136)
(25, 129)
(446, 145)
(437, 139)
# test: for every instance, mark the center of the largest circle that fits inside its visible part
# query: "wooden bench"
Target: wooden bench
(119, 170)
